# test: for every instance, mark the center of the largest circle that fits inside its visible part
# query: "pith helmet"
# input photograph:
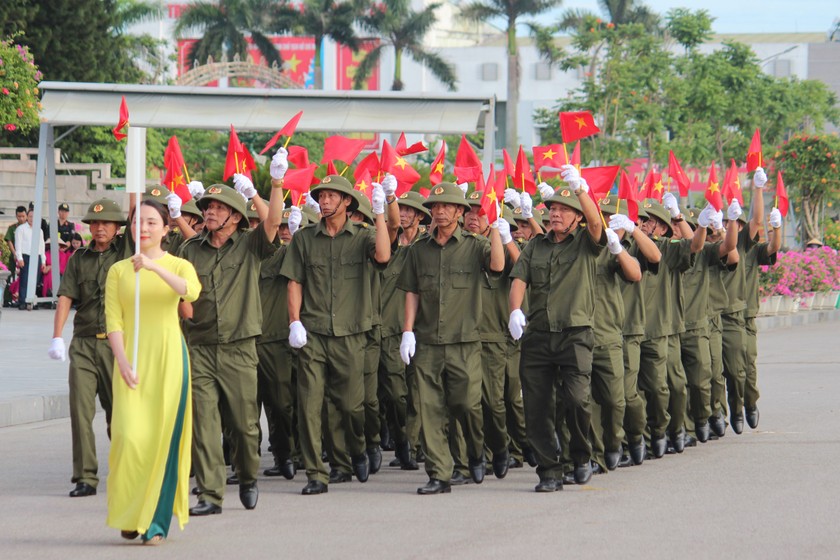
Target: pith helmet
(156, 193)
(447, 193)
(415, 200)
(564, 196)
(252, 210)
(690, 215)
(656, 210)
(339, 184)
(190, 207)
(225, 195)
(104, 210)
(365, 208)
(288, 211)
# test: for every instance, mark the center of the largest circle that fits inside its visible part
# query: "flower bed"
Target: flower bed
(810, 278)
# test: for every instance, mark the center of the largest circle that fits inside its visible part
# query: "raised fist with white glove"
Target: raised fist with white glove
(717, 219)
(408, 345)
(196, 189)
(377, 199)
(571, 175)
(512, 197)
(734, 211)
(389, 185)
(546, 191)
(297, 335)
(613, 242)
(464, 186)
(706, 216)
(279, 164)
(516, 324)
(312, 203)
(295, 217)
(775, 218)
(622, 222)
(669, 201)
(244, 186)
(57, 349)
(173, 202)
(504, 230)
(526, 203)
(760, 178)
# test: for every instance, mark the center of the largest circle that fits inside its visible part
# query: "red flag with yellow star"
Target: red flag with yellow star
(548, 156)
(576, 156)
(287, 130)
(370, 163)
(436, 174)
(467, 164)
(653, 185)
(575, 125)
(713, 194)
(491, 196)
(732, 185)
(600, 180)
(628, 192)
(675, 172)
(176, 169)
(238, 159)
(363, 184)
(404, 150)
(122, 124)
(523, 179)
(390, 162)
(754, 156)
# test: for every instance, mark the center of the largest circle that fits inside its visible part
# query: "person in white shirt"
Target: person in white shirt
(23, 245)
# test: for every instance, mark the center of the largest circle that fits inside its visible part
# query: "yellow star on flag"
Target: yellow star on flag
(657, 187)
(401, 163)
(362, 185)
(714, 187)
(580, 122)
(292, 63)
(439, 168)
(549, 154)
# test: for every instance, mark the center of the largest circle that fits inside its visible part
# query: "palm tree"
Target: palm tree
(403, 29)
(146, 51)
(617, 12)
(320, 19)
(224, 27)
(510, 11)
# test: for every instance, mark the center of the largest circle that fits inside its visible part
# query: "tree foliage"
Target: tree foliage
(19, 79)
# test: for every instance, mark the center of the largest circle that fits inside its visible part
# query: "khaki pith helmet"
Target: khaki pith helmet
(104, 210)
(339, 184)
(415, 200)
(365, 208)
(288, 211)
(252, 210)
(564, 196)
(190, 207)
(226, 195)
(656, 210)
(156, 193)
(447, 193)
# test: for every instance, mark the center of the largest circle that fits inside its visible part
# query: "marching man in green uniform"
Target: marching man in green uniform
(559, 270)
(443, 310)
(330, 311)
(222, 333)
(91, 359)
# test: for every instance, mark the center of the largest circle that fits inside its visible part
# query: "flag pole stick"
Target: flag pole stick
(288, 139)
(344, 171)
(236, 161)
(187, 173)
(617, 203)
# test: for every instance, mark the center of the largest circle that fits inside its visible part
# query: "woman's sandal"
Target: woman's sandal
(155, 541)
(129, 535)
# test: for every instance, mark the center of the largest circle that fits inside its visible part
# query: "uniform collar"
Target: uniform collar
(456, 236)
(349, 227)
(571, 235)
(205, 237)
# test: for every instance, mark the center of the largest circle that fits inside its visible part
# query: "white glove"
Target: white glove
(196, 189)
(775, 218)
(527, 205)
(279, 164)
(669, 201)
(377, 199)
(571, 175)
(312, 203)
(546, 191)
(297, 335)
(734, 211)
(717, 220)
(464, 187)
(389, 185)
(512, 197)
(408, 345)
(295, 217)
(244, 186)
(620, 221)
(707, 216)
(613, 242)
(516, 324)
(57, 350)
(173, 201)
(760, 178)
(504, 230)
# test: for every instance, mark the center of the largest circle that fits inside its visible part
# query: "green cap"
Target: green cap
(690, 215)
(564, 196)
(225, 195)
(190, 207)
(447, 193)
(474, 198)
(252, 210)
(339, 184)
(415, 200)
(310, 214)
(365, 208)
(287, 212)
(508, 216)
(656, 210)
(104, 210)
(156, 193)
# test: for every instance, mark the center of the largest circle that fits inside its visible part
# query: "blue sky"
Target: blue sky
(749, 16)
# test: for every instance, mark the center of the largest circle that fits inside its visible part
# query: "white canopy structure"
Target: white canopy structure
(337, 112)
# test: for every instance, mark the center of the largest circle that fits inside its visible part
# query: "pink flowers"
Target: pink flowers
(10, 127)
(795, 273)
(5, 91)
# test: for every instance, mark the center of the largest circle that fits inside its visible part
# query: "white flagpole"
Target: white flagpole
(135, 182)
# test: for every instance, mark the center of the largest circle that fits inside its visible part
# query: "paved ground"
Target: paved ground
(771, 493)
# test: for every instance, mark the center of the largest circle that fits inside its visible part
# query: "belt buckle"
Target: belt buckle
(101, 336)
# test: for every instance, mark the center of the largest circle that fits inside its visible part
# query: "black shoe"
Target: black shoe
(501, 463)
(597, 468)
(659, 446)
(434, 486)
(395, 462)
(752, 418)
(736, 420)
(286, 469)
(548, 485)
(375, 459)
(82, 490)
(638, 452)
(625, 461)
(204, 508)
(477, 469)
(702, 431)
(718, 425)
(402, 451)
(690, 440)
(314, 487)
(195, 491)
(420, 456)
(529, 456)
(583, 473)
(568, 478)
(248, 495)
(361, 467)
(612, 458)
(232, 480)
(337, 477)
(411, 465)
(515, 463)
(458, 479)
(678, 441)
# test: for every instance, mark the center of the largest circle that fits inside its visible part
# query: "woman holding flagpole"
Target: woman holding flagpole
(151, 427)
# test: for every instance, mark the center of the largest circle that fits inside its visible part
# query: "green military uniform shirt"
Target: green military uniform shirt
(756, 256)
(495, 303)
(718, 298)
(228, 308)
(633, 294)
(736, 280)
(448, 280)
(393, 299)
(274, 298)
(659, 316)
(560, 277)
(334, 275)
(84, 283)
(696, 282)
(609, 305)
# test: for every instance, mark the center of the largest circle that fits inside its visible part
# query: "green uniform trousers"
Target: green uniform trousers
(751, 393)
(91, 364)
(413, 425)
(330, 367)
(224, 384)
(697, 361)
(549, 358)
(449, 387)
(276, 391)
(634, 404)
(392, 383)
(676, 386)
(734, 358)
(513, 402)
(718, 399)
(494, 360)
(653, 383)
(608, 400)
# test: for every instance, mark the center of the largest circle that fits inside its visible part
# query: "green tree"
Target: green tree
(511, 11)
(403, 29)
(617, 12)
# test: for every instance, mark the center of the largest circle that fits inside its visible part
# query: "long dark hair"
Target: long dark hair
(161, 209)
